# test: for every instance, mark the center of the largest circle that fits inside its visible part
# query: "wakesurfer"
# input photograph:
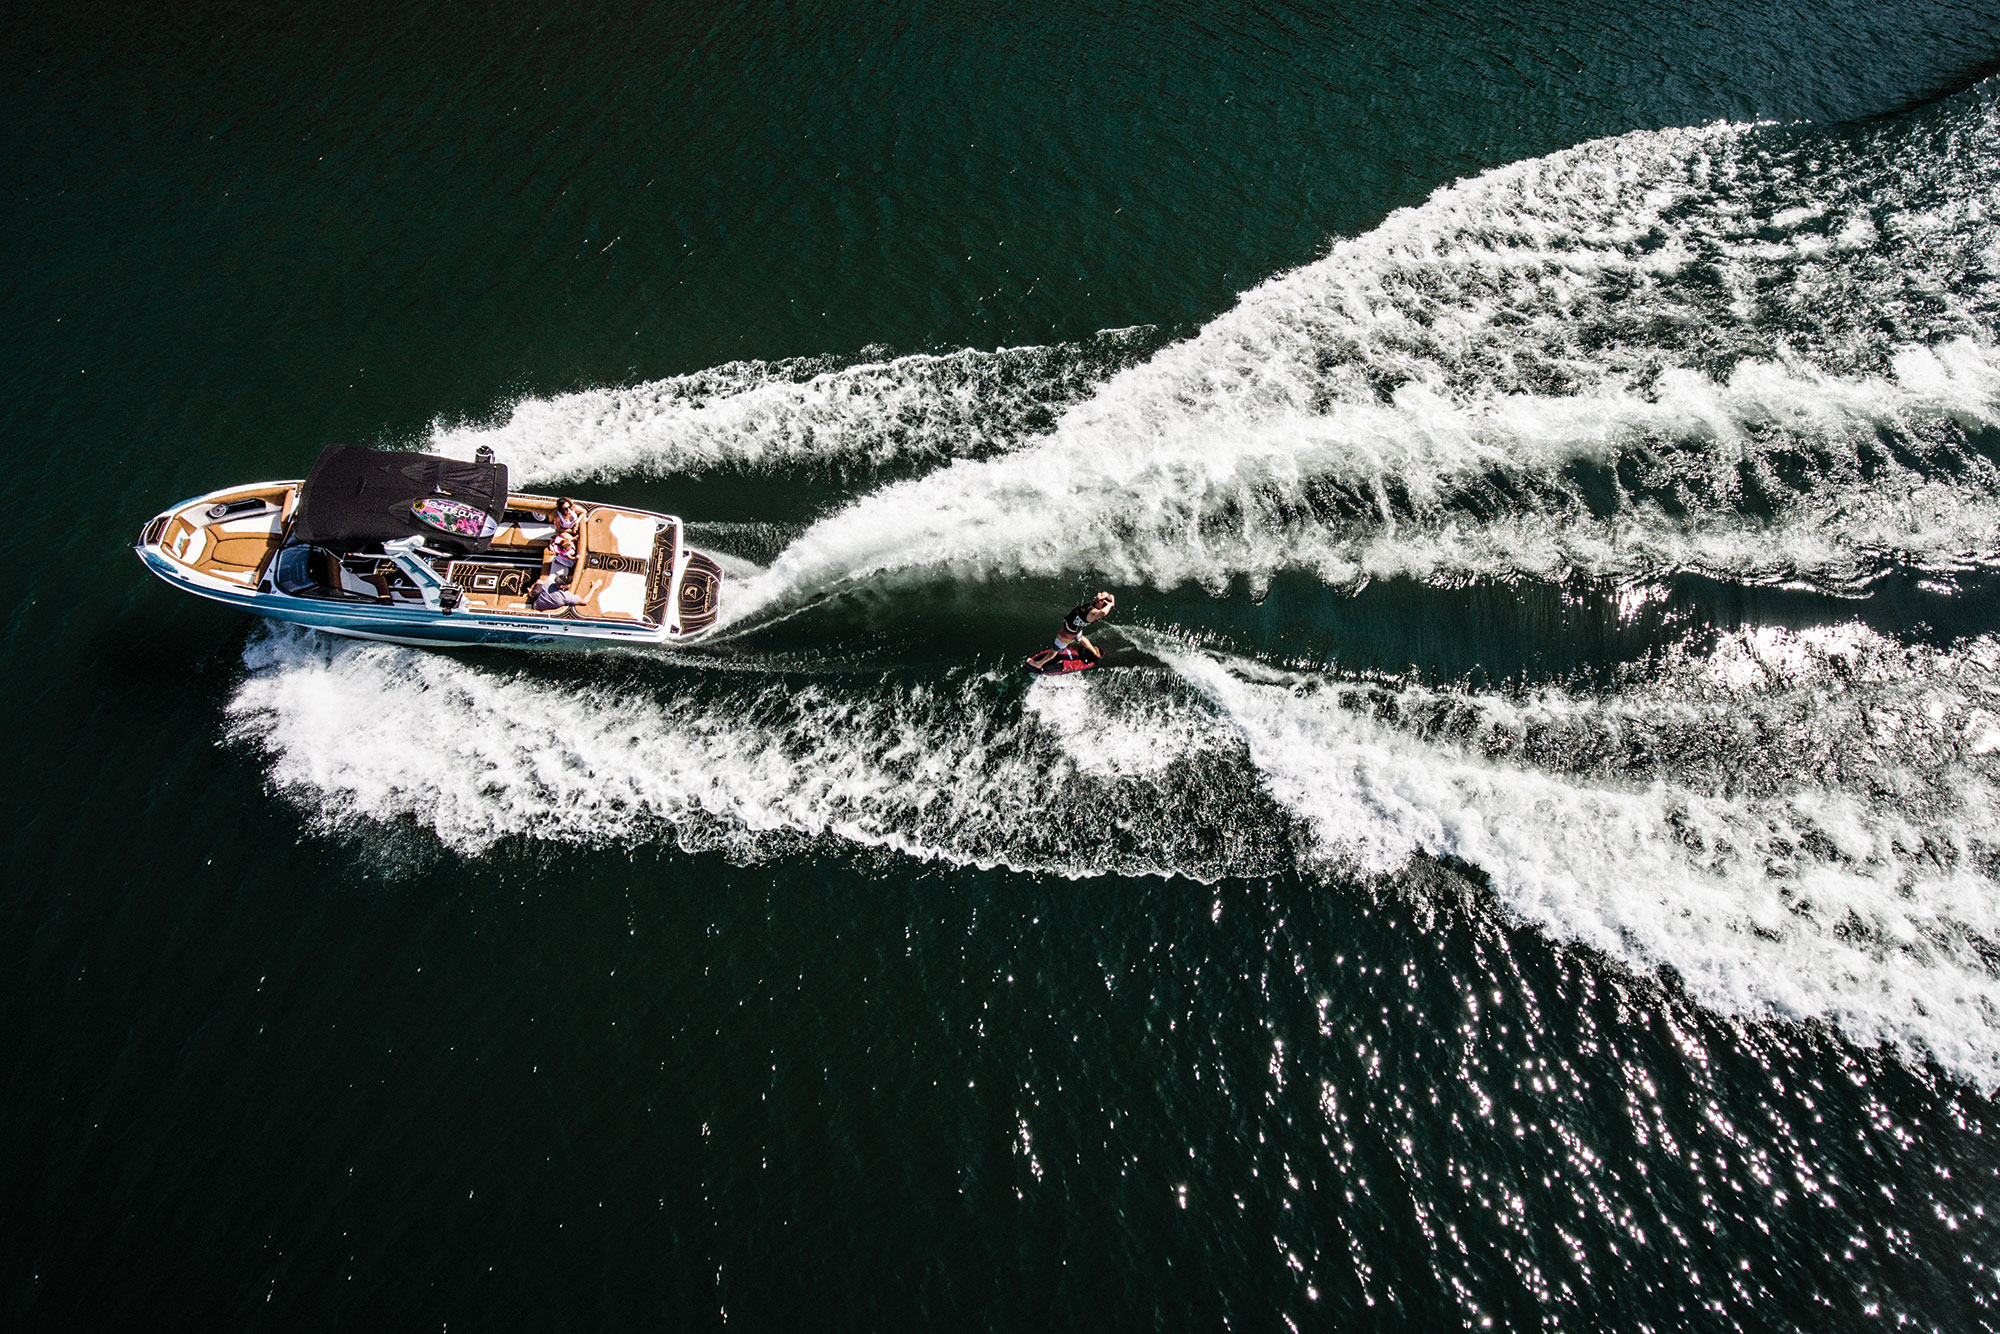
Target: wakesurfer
(1073, 626)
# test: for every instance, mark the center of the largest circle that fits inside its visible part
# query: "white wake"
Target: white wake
(812, 413)
(1802, 825)
(1861, 894)
(1761, 355)
(1697, 349)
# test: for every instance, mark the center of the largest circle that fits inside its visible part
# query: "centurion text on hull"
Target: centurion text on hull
(423, 550)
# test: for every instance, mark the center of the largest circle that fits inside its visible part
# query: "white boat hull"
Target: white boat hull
(177, 546)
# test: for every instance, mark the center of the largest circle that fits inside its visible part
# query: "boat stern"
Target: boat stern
(698, 599)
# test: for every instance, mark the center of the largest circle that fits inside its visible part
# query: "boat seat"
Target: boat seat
(616, 588)
(325, 568)
(239, 551)
(331, 572)
(523, 535)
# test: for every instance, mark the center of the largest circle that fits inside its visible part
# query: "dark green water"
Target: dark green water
(1536, 863)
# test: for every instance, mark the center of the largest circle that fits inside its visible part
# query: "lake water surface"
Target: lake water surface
(1534, 861)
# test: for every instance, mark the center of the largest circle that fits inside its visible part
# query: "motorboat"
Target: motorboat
(417, 549)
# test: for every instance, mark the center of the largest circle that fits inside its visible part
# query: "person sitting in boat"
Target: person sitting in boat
(569, 516)
(548, 594)
(562, 557)
(1073, 626)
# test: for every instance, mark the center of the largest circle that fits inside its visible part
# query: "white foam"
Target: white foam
(1194, 503)
(1798, 823)
(804, 412)
(1419, 401)
(1803, 897)
(366, 734)
(1133, 734)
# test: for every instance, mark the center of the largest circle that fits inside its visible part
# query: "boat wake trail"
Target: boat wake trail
(1801, 825)
(1114, 779)
(1755, 353)
(1761, 354)
(824, 413)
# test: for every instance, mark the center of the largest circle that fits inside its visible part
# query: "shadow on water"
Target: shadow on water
(1951, 86)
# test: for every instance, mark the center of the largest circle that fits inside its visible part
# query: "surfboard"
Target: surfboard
(454, 516)
(1069, 660)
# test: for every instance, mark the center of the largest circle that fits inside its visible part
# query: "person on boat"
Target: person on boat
(548, 594)
(569, 516)
(562, 557)
(1073, 626)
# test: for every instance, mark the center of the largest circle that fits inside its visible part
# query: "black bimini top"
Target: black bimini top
(356, 495)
